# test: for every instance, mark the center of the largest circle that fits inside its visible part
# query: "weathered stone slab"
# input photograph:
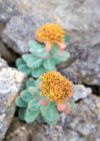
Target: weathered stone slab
(11, 82)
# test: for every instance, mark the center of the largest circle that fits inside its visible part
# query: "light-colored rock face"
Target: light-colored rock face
(3, 64)
(81, 19)
(83, 124)
(80, 92)
(11, 82)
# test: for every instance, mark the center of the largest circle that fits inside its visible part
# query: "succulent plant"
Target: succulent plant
(32, 104)
(44, 57)
(51, 92)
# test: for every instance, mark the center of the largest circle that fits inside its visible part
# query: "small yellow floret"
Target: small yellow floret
(55, 86)
(52, 33)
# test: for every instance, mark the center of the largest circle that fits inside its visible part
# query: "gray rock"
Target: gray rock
(81, 20)
(80, 92)
(9, 8)
(77, 17)
(18, 36)
(11, 82)
(83, 124)
(85, 71)
(85, 119)
(3, 64)
(19, 131)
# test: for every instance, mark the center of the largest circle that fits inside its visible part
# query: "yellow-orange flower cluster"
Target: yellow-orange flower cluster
(55, 86)
(52, 33)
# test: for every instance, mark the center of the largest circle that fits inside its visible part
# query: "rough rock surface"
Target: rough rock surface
(19, 131)
(77, 17)
(85, 119)
(83, 124)
(85, 71)
(11, 82)
(80, 18)
(9, 8)
(18, 36)
(80, 92)
(3, 64)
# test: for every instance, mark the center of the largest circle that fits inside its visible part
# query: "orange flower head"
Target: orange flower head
(55, 87)
(50, 34)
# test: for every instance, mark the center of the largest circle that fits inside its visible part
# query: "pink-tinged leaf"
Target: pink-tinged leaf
(62, 46)
(43, 102)
(48, 46)
(61, 107)
(40, 84)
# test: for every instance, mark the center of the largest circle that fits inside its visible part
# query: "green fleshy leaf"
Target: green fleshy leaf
(61, 58)
(49, 64)
(34, 105)
(24, 68)
(52, 115)
(27, 57)
(71, 101)
(43, 54)
(26, 96)
(34, 91)
(54, 50)
(67, 39)
(37, 82)
(32, 61)
(20, 102)
(31, 116)
(21, 113)
(34, 45)
(38, 72)
(31, 90)
(20, 62)
(35, 62)
(37, 92)
(30, 83)
(38, 49)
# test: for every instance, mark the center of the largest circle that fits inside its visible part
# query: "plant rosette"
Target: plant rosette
(46, 52)
(52, 92)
